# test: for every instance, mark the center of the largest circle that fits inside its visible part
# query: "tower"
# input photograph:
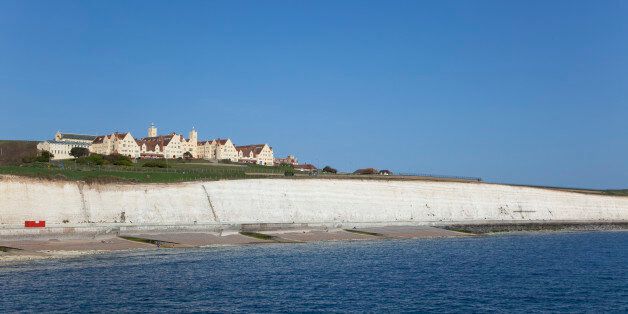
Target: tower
(193, 136)
(152, 130)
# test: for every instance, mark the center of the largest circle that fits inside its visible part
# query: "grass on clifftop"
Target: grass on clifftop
(119, 174)
(176, 171)
(616, 192)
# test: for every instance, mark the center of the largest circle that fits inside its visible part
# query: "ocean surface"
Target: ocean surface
(533, 272)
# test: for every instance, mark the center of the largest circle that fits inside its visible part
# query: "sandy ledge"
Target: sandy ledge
(12, 251)
(17, 251)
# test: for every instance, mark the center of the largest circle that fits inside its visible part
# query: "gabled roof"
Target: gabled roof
(221, 141)
(246, 150)
(101, 138)
(161, 141)
(206, 142)
(120, 136)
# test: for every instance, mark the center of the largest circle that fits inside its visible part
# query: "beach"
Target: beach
(18, 250)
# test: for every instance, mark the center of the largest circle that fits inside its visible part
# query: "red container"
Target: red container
(35, 224)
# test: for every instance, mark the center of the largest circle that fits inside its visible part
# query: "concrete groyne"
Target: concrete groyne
(72, 207)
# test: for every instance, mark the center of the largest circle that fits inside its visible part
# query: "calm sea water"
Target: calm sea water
(558, 272)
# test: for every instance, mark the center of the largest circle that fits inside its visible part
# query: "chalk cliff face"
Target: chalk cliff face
(313, 201)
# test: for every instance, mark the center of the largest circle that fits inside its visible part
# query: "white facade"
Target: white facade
(226, 150)
(174, 147)
(159, 146)
(191, 144)
(149, 151)
(63, 143)
(261, 154)
(218, 149)
(169, 146)
(60, 149)
(207, 150)
(116, 143)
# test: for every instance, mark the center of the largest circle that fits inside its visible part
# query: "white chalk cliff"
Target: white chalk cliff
(311, 201)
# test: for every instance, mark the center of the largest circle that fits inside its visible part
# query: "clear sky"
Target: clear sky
(531, 92)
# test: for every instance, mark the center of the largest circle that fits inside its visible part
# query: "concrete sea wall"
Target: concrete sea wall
(75, 206)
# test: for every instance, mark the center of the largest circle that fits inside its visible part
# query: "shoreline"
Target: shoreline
(17, 251)
(491, 228)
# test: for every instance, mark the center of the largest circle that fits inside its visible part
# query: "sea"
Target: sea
(513, 273)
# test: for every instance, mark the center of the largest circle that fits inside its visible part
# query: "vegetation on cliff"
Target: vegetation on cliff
(98, 168)
(12, 152)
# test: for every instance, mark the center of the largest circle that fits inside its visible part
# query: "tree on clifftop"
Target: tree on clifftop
(366, 171)
(78, 152)
(119, 160)
(44, 156)
(329, 169)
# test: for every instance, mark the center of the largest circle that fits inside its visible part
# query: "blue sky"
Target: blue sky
(531, 92)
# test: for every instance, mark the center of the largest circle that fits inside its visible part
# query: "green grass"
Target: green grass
(177, 171)
(616, 192)
(266, 169)
(196, 164)
(121, 174)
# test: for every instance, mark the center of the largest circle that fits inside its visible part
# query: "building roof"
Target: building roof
(305, 167)
(79, 137)
(120, 136)
(246, 150)
(101, 138)
(206, 142)
(161, 141)
(66, 142)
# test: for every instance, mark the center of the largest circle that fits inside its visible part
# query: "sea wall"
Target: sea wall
(75, 205)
